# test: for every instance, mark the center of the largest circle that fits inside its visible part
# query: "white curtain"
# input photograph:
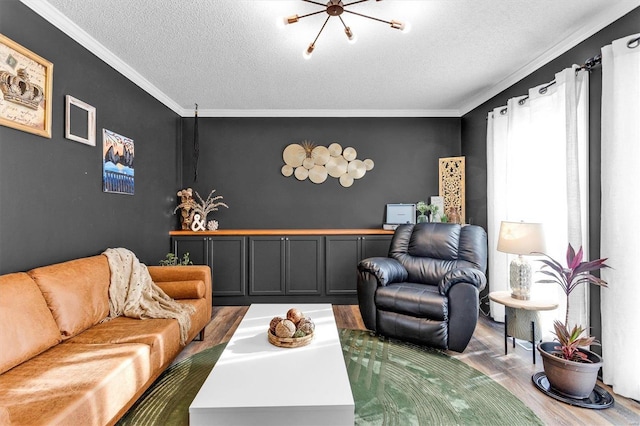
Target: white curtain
(537, 172)
(620, 236)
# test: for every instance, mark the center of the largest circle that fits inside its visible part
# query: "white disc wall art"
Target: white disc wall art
(320, 155)
(346, 180)
(335, 149)
(337, 166)
(287, 170)
(356, 169)
(318, 174)
(294, 155)
(315, 162)
(301, 173)
(368, 163)
(349, 154)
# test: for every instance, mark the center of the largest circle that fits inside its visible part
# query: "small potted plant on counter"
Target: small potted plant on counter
(570, 369)
(422, 207)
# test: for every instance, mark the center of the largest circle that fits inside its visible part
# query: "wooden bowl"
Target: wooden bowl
(289, 342)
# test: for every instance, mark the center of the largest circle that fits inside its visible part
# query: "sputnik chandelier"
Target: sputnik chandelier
(337, 8)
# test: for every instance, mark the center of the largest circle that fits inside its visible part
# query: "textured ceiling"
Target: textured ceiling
(230, 57)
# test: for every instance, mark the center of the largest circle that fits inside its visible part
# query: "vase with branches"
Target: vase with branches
(203, 207)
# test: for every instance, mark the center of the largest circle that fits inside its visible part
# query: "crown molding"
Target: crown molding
(614, 13)
(320, 113)
(64, 24)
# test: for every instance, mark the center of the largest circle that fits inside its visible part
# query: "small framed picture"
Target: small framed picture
(118, 172)
(80, 121)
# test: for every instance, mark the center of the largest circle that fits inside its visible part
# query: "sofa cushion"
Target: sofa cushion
(77, 292)
(193, 289)
(162, 335)
(28, 328)
(75, 384)
(418, 300)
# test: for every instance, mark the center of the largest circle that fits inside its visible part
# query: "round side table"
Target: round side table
(521, 317)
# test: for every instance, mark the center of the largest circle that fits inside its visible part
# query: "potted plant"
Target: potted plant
(422, 207)
(570, 369)
(173, 260)
(433, 209)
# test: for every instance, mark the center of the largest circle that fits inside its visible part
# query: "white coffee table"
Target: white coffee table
(256, 383)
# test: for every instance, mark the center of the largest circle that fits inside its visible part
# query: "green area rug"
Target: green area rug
(393, 383)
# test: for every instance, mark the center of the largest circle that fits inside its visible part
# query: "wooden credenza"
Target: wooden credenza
(282, 265)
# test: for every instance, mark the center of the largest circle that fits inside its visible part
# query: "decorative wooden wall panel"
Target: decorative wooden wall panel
(452, 185)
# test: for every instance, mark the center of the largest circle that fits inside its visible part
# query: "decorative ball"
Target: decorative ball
(299, 333)
(273, 323)
(294, 315)
(285, 328)
(306, 326)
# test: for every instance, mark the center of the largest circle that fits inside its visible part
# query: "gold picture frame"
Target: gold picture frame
(26, 87)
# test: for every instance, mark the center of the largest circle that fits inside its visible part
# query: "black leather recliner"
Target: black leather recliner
(426, 291)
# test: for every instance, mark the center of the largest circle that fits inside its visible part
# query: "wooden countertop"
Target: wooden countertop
(269, 232)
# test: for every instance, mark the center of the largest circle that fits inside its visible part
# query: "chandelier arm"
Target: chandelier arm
(354, 2)
(315, 2)
(369, 17)
(343, 24)
(320, 32)
(310, 14)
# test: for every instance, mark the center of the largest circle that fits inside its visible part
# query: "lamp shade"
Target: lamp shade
(521, 238)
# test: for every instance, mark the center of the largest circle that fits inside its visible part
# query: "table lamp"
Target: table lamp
(522, 239)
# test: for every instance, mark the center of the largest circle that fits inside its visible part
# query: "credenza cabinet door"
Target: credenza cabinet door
(343, 252)
(228, 261)
(266, 266)
(226, 256)
(304, 265)
(195, 246)
(375, 246)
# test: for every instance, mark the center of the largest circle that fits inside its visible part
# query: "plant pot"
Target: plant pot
(570, 378)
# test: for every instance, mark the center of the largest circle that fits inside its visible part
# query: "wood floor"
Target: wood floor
(485, 353)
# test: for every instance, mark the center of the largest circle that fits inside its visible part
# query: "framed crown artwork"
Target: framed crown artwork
(26, 82)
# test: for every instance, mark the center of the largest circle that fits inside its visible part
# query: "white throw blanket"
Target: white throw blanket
(133, 293)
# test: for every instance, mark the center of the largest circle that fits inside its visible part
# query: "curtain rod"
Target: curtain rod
(588, 65)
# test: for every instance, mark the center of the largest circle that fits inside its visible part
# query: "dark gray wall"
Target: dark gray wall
(241, 158)
(474, 133)
(52, 207)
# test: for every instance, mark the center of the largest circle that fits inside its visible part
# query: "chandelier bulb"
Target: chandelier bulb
(288, 20)
(350, 35)
(308, 51)
(405, 27)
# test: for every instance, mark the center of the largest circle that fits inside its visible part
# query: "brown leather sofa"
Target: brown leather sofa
(59, 364)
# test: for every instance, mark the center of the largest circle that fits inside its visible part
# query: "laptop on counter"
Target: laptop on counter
(399, 214)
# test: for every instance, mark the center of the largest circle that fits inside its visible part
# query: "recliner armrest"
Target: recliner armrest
(385, 269)
(462, 275)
